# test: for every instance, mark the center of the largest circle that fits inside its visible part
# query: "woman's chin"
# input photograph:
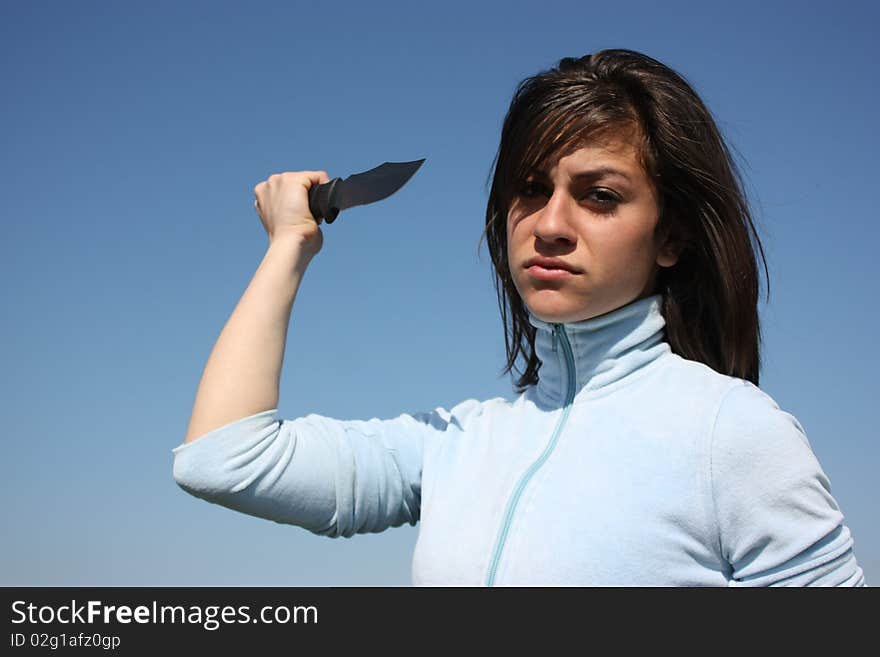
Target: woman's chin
(553, 310)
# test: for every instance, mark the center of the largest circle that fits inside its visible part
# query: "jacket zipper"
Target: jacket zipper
(558, 330)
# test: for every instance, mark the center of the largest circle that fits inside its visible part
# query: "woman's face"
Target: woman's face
(601, 224)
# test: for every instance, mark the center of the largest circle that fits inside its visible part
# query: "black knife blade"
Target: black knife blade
(327, 200)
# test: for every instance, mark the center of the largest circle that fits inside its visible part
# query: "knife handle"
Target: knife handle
(322, 201)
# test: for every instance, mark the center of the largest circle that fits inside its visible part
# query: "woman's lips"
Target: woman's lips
(548, 274)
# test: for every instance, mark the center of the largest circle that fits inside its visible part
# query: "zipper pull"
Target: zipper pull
(555, 331)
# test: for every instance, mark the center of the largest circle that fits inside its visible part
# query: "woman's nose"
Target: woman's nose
(555, 218)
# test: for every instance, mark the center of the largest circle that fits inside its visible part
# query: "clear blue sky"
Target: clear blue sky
(133, 135)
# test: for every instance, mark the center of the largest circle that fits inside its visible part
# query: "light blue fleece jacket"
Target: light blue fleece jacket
(626, 465)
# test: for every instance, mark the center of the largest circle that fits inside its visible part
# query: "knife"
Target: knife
(328, 199)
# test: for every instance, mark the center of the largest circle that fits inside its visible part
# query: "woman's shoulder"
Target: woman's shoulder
(733, 403)
(740, 405)
(685, 378)
(753, 436)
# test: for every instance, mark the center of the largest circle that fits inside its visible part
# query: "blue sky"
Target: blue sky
(133, 135)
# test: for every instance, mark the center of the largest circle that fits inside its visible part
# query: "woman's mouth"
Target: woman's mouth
(548, 273)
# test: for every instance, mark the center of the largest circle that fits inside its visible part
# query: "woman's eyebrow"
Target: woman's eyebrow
(588, 174)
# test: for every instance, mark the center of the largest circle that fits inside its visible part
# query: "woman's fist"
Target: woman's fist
(282, 201)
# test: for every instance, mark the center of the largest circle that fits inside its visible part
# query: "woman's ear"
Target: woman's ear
(670, 247)
(668, 256)
(669, 244)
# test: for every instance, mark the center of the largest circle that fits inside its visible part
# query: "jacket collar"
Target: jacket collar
(598, 352)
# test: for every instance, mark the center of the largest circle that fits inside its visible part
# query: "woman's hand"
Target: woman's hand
(282, 201)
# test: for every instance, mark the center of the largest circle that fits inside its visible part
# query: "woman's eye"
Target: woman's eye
(603, 197)
(529, 189)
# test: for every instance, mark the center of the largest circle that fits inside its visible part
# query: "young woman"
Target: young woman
(638, 449)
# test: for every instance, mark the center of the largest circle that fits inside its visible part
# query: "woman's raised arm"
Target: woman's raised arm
(242, 374)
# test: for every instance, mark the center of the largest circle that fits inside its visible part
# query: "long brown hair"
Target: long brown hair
(710, 296)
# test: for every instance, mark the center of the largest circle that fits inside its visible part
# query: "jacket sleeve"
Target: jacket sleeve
(332, 477)
(778, 523)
